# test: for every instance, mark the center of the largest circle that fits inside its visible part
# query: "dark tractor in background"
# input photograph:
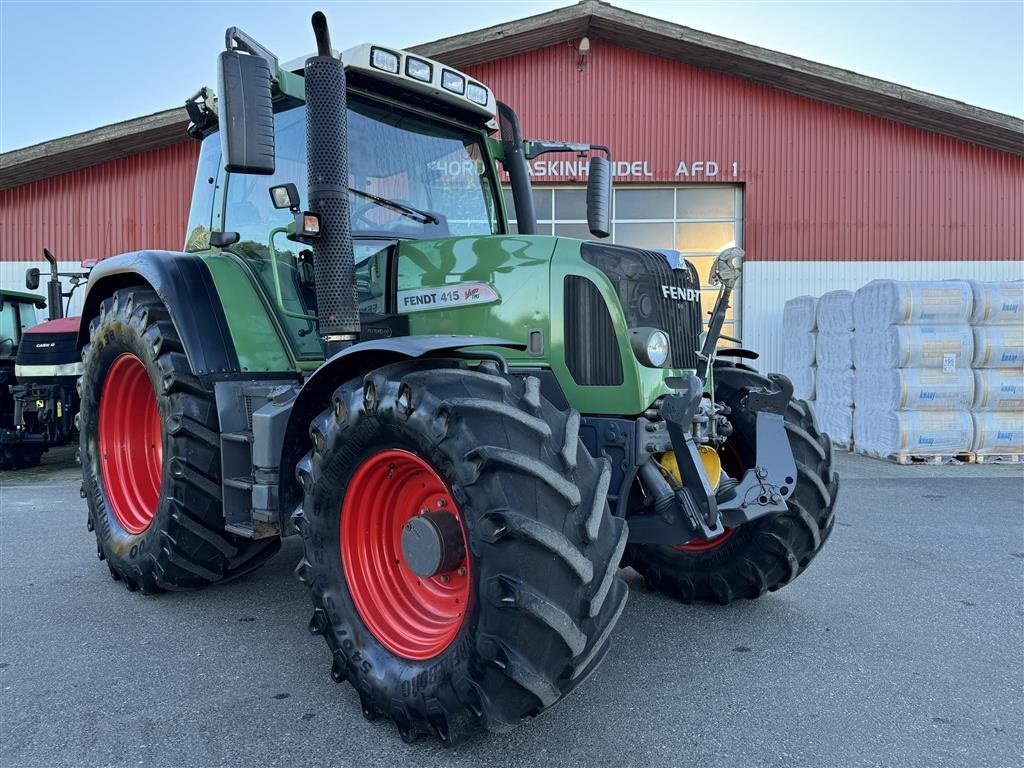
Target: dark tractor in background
(472, 429)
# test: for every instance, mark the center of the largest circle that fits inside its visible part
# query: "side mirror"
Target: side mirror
(599, 196)
(32, 278)
(245, 113)
(727, 267)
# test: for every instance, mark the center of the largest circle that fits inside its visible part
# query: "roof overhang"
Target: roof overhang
(598, 20)
(80, 150)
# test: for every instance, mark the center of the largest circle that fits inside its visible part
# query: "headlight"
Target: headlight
(418, 69)
(384, 60)
(650, 345)
(453, 81)
(476, 92)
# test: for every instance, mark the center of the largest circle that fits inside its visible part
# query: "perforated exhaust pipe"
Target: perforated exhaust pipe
(327, 160)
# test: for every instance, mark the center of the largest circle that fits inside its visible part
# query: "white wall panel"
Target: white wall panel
(768, 285)
(12, 275)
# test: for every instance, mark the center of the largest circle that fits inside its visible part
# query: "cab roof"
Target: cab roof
(21, 297)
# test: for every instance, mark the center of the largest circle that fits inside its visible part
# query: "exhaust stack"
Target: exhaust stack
(327, 159)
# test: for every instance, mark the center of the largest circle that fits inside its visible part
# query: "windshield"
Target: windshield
(414, 163)
(411, 176)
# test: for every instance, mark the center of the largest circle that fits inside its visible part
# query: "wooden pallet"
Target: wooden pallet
(998, 458)
(922, 458)
(933, 458)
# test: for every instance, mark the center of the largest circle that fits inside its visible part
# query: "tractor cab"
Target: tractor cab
(18, 311)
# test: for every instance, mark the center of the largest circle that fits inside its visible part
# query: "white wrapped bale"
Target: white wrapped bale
(998, 303)
(998, 433)
(798, 315)
(803, 378)
(835, 312)
(798, 350)
(887, 302)
(917, 389)
(834, 349)
(912, 433)
(914, 346)
(998, 390)
(999, 346)
(834, 386)
(836, 421)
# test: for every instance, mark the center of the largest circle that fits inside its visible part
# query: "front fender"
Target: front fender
(347, 364)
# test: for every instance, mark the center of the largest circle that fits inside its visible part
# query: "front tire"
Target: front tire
(539, 580)
(151, 455)
(769, 552)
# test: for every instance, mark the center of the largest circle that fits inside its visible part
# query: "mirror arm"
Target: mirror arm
(237, 40)
(535, 148)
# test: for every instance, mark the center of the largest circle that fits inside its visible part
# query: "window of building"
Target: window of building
(699, 220)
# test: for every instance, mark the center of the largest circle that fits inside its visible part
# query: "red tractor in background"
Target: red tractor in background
(39, 367)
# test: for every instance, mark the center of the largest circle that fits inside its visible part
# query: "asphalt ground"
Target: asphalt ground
(900, 646)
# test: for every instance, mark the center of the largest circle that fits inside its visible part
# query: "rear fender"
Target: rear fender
(357, 360)
(185, 286)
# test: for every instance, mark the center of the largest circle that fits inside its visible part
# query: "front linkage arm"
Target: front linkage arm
(691, 510)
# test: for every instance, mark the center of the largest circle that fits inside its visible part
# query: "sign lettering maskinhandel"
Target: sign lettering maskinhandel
(562, 170)
(458, 295)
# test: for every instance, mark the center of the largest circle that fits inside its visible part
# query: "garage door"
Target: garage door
(698, 220)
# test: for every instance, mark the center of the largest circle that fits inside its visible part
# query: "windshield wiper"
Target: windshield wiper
(423, 217)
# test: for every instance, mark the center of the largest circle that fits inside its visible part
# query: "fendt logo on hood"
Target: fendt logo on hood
(679, 294)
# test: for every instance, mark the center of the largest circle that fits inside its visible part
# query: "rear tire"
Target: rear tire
(765, 554)
(542, 548)
(151, 455)
(20, 458)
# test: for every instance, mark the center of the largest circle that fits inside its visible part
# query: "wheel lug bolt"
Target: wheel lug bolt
(445, 578)
(462, 570)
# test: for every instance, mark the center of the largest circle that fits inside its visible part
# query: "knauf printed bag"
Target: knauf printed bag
(999, 346)
(998, 390)
(912, 433)
(914, 389)
(998, 432)
(949, 347)
(998, 303)
(888, 302)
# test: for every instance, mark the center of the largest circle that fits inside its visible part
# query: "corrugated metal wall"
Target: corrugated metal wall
(135, 202)
(821, 182)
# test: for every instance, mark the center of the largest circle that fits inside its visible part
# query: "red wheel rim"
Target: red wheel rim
(704, 545)
(412, 616)
(131, 443)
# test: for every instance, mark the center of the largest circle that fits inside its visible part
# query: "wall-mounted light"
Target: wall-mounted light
(583, 49)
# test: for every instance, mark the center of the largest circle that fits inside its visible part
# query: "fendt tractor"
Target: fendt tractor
(39, 366)
(472, 428)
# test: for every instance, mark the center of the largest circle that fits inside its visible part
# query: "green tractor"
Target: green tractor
(471, 428)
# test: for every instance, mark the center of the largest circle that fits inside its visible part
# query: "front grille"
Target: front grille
(591, 349)
(653, 294)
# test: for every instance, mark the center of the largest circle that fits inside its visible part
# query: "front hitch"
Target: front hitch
(691, 511)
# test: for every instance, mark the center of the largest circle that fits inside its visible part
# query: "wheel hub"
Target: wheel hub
(432, 544)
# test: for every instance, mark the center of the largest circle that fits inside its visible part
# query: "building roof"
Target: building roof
(599, 20)
(596, 20)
